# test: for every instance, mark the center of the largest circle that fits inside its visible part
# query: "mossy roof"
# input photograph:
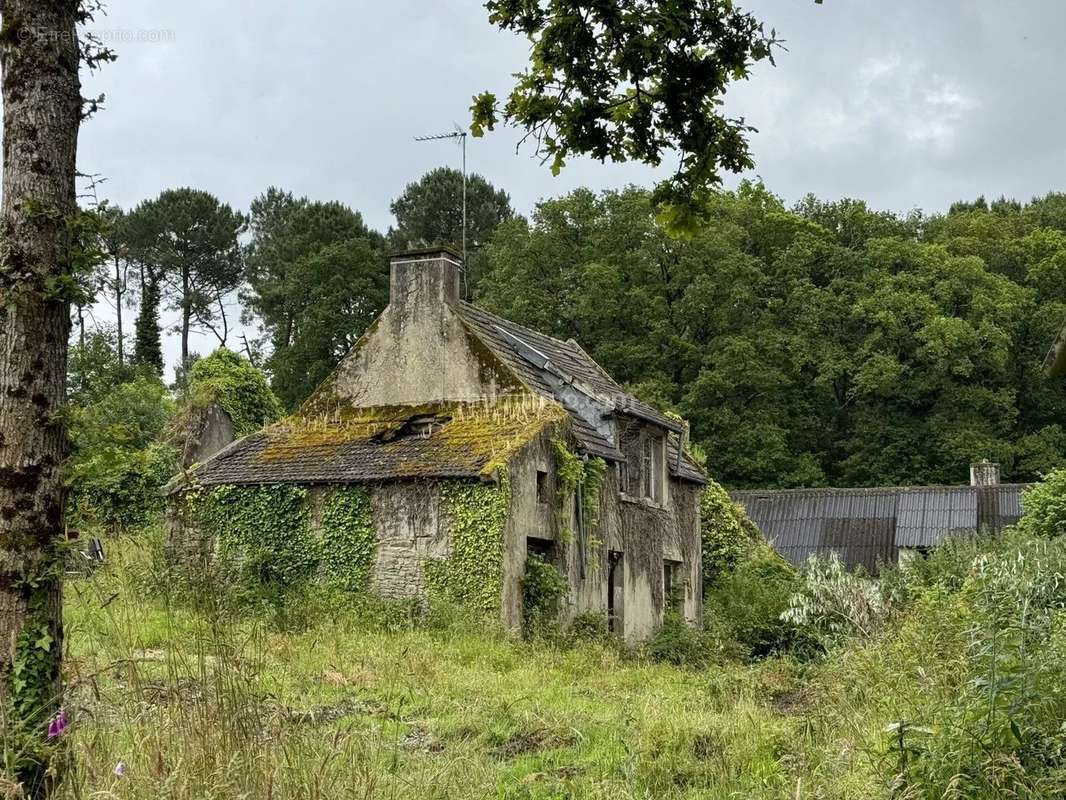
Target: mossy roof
(363, 445)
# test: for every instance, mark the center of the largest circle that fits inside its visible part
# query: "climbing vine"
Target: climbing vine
(265, 534)
(33, 675)
(262, 532)
(571, 471)
(472, 575)
(242, 390)
(348, 540)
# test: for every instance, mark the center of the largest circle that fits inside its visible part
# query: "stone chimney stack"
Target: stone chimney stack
(424, 279)
(984, 473)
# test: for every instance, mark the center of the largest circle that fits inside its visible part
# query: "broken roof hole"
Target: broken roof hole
(420, 425)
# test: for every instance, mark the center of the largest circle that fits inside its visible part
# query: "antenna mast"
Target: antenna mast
(460, 135)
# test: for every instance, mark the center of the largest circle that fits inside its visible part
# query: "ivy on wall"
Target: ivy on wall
(570, 472)
(348, 539)
(472, 575)
(265, 532)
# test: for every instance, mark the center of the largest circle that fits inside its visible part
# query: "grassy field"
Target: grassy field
(194, 704)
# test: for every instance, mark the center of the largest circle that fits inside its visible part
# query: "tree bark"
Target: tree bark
(120, 289)
(39, 59)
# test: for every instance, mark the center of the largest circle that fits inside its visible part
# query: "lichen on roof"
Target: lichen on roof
(344, 444)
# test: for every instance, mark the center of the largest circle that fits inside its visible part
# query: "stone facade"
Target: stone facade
(429, 350)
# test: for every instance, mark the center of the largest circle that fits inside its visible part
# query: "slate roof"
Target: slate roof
(867, 527)
(469, 440)
(569, 362)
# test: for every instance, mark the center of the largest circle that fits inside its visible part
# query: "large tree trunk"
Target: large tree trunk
(42, 111)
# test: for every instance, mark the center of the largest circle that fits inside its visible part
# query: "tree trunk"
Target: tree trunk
(186, 313)
(120, 288)
(42, 111)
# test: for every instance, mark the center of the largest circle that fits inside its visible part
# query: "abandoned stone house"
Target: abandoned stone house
(475, 442)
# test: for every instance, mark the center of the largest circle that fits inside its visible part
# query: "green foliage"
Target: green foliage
(625, 81)
(119, 466)
(1044, 506)
(472, 575)
(265, 539)
(147, 336)
(728, 535)
(681, 644)
(430, 212)
(348, 538)
(914, 342)
(744, 604)
(543, 591)
(571, 471)
(242, 390)
(93, 368)
(317, 278)
(833, 603)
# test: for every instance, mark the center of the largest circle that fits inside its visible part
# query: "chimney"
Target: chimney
(984, 473)
(424, 278)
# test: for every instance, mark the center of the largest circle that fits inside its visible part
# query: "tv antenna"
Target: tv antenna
(460, 135)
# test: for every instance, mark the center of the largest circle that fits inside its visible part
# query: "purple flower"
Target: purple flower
(58, 725)
(120, 768)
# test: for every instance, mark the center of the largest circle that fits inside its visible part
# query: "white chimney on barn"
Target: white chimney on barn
(984, 473)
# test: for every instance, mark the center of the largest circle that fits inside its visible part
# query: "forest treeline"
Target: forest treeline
(819, 344)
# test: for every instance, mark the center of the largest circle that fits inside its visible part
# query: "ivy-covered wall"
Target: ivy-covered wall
(268, 534)
(472, 574)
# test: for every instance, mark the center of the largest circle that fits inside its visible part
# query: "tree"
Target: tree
(115, 281)
(823, 345)
(317, 279)
(188, 242)
(94, 368)
(42, 250)
(630, 81)
(430, 212)
(147, 336)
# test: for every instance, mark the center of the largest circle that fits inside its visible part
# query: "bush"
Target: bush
(728, 535)
(834, 603)
(1045, 506)
(680, 644)
(235, 384)
(543, 591)
(745, 605)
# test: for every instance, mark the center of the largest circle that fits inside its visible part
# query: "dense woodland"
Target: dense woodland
(823, 344)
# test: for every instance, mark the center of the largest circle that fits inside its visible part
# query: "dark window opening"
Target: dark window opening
(545, 548)
(543, 495)
(673, 586)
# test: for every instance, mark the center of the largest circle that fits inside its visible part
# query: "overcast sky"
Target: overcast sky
(904, 104)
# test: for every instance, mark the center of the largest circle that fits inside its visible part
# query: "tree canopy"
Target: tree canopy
(633, 81)
(318, 277)
(821, 345)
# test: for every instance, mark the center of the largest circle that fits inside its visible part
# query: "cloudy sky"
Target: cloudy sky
(905, 104)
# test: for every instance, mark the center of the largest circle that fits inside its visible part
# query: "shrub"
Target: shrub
(745, 605)
(834, 603)
(1045, 506)
(728, 535)
(680, 644)
(543, 591)
(235, 384)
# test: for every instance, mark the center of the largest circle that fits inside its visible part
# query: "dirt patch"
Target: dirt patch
(531, 742)
(792, 702)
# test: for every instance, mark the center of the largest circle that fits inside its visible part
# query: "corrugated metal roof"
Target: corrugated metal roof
(867, 527)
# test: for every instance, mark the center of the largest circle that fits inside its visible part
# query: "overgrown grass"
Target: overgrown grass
(321, 698)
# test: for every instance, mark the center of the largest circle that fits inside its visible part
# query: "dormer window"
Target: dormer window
(644, 472)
